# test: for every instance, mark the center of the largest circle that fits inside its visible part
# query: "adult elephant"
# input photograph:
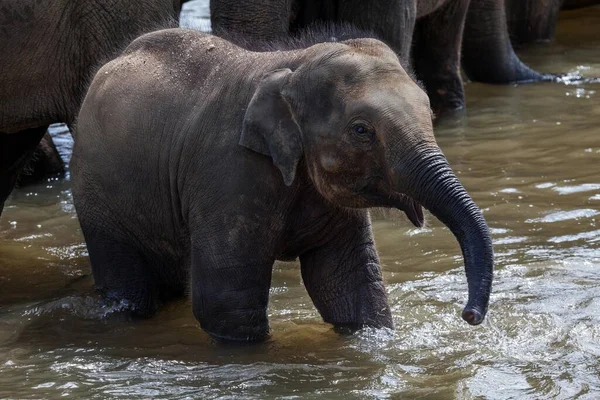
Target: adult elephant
(435, 27)
(239, 158)
(49, 52)
(534, 21)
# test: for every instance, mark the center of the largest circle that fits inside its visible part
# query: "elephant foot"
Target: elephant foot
(531, 76)
(366, 307)
(446, 91)
(120, 270)
(230, 295)
(237, 326)
(137, 303)
(347, 329)
(504, 74)
(446, 102)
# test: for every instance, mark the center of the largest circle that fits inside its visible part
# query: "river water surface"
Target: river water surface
(530, 157)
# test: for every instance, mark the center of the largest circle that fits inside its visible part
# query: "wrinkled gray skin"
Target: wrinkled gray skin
(198, 164)
(434, 29)
(49, 52)
(534, 21)
(45, 163)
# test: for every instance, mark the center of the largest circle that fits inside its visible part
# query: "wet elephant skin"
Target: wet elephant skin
(240, 158)
(50, 50)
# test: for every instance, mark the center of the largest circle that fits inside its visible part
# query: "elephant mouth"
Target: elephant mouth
(411, 207)
(383, 196)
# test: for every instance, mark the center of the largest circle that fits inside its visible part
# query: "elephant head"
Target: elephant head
(364, 130)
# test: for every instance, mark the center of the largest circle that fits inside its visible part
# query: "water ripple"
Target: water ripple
(565, 216)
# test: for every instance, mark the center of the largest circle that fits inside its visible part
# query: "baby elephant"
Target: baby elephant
(198, 164)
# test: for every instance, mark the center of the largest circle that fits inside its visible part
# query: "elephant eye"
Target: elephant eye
(362, 130)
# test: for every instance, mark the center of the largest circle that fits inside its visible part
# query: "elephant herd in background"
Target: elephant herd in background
(282, 104)
(535, 21)
(432, 35)
(49, 56)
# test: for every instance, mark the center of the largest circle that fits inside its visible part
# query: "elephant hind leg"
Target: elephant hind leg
(487, 52)
(436, 55)
(532, 21)
(121, 271)
(15, 150)
(45, 163)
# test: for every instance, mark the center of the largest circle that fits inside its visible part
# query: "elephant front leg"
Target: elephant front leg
(230, 293)
(343, 279)
(436, 55)
(15, 150)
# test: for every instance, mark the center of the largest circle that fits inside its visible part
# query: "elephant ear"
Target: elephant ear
(269, 126)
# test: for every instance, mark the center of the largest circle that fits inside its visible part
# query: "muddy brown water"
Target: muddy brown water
(530, 157)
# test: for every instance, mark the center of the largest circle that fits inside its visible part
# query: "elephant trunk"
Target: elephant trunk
(428, 179)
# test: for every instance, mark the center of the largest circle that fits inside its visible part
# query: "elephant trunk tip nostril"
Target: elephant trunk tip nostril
(472, 316)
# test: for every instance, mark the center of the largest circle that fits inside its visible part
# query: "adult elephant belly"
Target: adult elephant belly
(29, 80)
(426, 7)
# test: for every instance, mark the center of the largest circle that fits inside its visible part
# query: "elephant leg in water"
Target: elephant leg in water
(487, 53)
(345, 282)
(436, 55)
(532, 21)
(45, 163)
(108, 251)
(15, 150)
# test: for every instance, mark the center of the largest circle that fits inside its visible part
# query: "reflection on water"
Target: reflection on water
(529, 156)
